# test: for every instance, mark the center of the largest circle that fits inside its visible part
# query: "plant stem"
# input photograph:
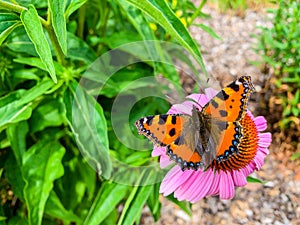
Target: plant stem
(196, 13)
(55, 43)
(57, 49)
(81, 19)
(11, 7)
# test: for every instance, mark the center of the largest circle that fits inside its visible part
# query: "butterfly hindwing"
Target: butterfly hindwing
(184, 156)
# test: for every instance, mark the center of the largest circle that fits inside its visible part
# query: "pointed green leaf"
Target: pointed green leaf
(37, 62)
(154, 203)
(74, 5)
(255, 180)
(137, 199)
(41, 166)
(80, 50)
(55, 208)
(48, 114)
(184, 205)
(16, 134)
(4, 34)
(57, 9)
(16, 106)
(106, 201)
(13, 175)
(163, 15)
(132, 213)
(88, 124)
(34, 29)
(209, 30)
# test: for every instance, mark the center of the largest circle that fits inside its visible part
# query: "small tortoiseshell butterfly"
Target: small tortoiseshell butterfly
(214, 133)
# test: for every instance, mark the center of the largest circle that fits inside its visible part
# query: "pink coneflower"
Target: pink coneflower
(220, 178)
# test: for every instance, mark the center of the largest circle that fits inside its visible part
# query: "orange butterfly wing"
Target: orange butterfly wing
(176, 132)
(230, 104)
(223, 113)
(162, 130)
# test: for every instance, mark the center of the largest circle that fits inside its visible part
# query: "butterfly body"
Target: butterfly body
(211, 133)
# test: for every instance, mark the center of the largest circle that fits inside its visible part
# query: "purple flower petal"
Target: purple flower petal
(239, 179)
(264, 139)
(205, 183)
(158, 151)
(164, 162)
(210, 93)
(215, 184)
(263, 150)
(259, 160)
(185, 190)
(261, 123)
(226, 186)
(201, 99)
(174, 179)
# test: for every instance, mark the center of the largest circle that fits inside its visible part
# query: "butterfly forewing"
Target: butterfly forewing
(162, 129)
(230, 104)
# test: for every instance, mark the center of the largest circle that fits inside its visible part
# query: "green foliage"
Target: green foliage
(67, 156)
(280, 50)
(234, 5)
(239, 6)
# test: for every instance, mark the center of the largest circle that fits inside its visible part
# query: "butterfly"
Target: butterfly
(211, 133)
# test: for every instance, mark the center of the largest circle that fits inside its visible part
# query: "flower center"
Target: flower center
(246, 150)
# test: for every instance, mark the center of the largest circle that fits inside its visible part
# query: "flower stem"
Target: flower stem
(196, 13)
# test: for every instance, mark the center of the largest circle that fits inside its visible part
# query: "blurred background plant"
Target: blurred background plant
(279, 48)
(238, 7)
(46, 47)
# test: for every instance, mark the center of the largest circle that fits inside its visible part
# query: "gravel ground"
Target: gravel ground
(276, 202)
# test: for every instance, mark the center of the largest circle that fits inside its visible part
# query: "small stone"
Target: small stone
(266, 220)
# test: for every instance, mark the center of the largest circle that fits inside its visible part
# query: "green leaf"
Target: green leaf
(34, 29)
(255, 180)
(7, 20)
(137, 20)
(58, 20)
(37, 62)
(163, 15)
(80, 50)
(16, 134)
(13, 113)
(20, 42)
(74, 5)
(88, 124)
(132, 213)
(185, 206)
(41, 166)
(112, 218)
(209, 30)
(4, 34)
(154, 203)
(16, 106)
(48, 114)
(13, 175)
(137, 199)
(106, 201)
(17, 219)
(55, 208)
